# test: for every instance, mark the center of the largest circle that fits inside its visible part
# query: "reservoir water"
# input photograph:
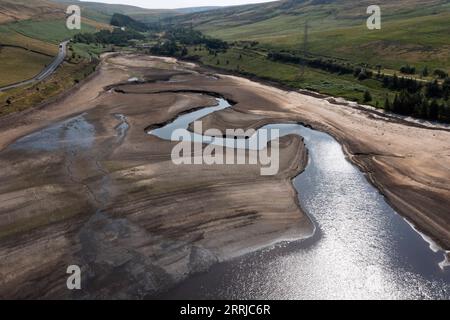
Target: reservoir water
(361, 249)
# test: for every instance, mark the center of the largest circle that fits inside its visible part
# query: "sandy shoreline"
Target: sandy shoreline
(134, 215)
(412, 173)
(118, 205)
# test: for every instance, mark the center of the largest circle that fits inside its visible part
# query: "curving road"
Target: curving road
(48, 70)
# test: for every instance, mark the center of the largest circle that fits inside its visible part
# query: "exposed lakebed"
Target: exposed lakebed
(361, 248)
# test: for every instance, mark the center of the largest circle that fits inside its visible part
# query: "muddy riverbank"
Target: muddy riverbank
(86, 185)
(111, 200)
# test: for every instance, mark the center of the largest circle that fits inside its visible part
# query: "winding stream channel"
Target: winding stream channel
(361, 249)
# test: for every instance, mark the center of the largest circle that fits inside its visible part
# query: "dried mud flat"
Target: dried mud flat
(86, 185)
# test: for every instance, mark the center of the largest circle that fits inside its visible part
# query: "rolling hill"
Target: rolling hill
(30, 33)
(413, 31)
(38, 24)
(15, 10)
(103, 12)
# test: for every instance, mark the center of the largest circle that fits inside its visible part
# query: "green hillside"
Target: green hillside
(326, 46)
(30, 33)
(31, 64)
(52, 31)
(413, 31)
(103, 12)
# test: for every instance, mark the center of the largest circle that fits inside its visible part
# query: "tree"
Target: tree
(444, 113)
(440, 73)
(387, 105)
(425, 72)
(378, 70)
(120, 20)
(424, 109)
(367, 96)
(395, 104)
(386, 81)
(433, 89)
(446, 88)
(408, 69)
(434, 110)
(394, 84)
(363, 75)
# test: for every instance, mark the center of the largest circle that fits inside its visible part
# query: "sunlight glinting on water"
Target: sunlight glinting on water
(362, 248)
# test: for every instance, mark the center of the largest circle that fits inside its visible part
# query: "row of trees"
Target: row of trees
(190, 37)
(419, 106)
(420, 99)
(168, 48)
(435, 90)
(407, 69)
(440, 73)
(318, 63)
(176, 39)
(116, 37)
(432, 89)
(121, 20)
(396, 83)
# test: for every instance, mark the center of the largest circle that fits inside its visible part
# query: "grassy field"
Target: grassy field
(25, 97)
(19, 64)
(40, 26)
(77, 52)
(418, 41)
(13, 10)
(256, 63)
(41, 36)
(9, 36)
(66, 76)
(53, 31)
(412, 31)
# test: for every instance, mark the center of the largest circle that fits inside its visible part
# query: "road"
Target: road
(47, 71)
